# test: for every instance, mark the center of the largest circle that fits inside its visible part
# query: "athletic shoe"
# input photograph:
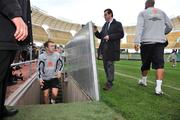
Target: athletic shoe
(142, 83)
(53, 101)
(158, 91)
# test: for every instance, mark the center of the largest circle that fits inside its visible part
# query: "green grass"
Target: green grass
(139, 103)
(71, 111)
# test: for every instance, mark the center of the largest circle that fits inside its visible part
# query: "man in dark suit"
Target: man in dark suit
(110, 35)
(13, 34)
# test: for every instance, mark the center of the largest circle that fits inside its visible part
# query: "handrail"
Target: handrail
(21, 63)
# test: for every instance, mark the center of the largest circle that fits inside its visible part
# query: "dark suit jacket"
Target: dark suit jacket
(8, 10)
(111, 49)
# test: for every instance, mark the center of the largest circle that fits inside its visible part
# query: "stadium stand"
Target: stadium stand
(60, 30)
(39, 33)
(60, 37)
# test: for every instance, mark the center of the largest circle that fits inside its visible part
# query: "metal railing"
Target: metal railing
(26, 62)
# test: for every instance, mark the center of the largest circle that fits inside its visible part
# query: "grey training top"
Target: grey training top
(49, 65)
(152, 26)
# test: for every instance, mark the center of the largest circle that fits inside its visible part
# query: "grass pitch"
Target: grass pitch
(135, 102)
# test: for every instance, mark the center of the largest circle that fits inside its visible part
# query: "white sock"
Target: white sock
(158, 84)
(144, 79)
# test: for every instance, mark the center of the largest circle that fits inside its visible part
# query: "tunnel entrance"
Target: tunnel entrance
(81, 81)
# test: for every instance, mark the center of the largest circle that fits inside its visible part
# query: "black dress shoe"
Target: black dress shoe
(107, 87)
(10, 112)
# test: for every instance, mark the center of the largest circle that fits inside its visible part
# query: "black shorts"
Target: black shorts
(152, 53)
(48, 84)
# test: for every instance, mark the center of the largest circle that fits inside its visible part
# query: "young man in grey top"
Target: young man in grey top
(152, 27)
(50, 66)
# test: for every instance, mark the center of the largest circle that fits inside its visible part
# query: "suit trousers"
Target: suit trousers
(6, 58)
(109, 70)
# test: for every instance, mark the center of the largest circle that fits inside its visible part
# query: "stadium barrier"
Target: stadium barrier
(81, 65)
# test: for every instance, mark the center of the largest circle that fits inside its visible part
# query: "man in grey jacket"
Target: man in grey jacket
(152, 27)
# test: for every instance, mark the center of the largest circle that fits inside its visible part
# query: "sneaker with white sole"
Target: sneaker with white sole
(53, 101)
(158, 91)
(142, 82)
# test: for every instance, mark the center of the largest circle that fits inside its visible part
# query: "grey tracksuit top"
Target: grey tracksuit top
(49, 65)
(152, 26)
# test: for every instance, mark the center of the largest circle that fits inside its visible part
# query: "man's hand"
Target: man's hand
(41, 82)
(21, 29)
(58, 75)
(106, 38)
(95, 29)
(136, 47)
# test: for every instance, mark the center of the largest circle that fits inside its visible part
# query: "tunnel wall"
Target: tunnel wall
(27, 94)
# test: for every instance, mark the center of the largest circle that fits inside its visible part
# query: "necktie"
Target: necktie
(106, 28)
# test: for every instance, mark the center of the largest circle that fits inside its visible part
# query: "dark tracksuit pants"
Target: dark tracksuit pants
(6, 58)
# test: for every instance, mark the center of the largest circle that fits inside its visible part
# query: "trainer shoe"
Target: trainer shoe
(158, 91)
(53, 101)
(142, 83)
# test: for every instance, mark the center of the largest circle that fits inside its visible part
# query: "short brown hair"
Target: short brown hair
(47, 43)
(109, 11)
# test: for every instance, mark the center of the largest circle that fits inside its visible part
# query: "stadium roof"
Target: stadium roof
(40, 17)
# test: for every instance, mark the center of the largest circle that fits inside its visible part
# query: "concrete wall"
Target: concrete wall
(28, 93)
(72, 92)
(31, 96)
